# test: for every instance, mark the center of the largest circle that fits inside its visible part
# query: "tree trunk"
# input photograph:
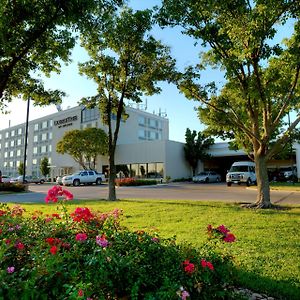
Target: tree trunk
(263, 199)
(112, 177)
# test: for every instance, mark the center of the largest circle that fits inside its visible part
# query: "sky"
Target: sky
(180, 111)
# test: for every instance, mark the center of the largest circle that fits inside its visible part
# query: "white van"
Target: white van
(241, 172)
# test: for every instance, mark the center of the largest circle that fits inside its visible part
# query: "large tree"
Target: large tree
(126, 62)
(45, 167)
(84, 146)
(261, 73)
(35, 37)
(195, 148)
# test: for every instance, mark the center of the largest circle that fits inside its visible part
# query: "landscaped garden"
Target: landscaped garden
(81, 249)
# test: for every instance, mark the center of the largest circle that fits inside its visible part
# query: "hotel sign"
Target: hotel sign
(65, 122)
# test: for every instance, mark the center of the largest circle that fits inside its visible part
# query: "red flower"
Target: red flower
(53, 250)
(80, 293)
(229, 238)
(207, 264)
(81, 237)
(57, 191)
(188, 267)
(82, 214)
(20, 246)
(223, 229)
(53, 241)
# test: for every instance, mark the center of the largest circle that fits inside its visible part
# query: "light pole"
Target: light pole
(26, 137)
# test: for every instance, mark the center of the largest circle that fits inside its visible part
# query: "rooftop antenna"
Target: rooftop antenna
(58, 107)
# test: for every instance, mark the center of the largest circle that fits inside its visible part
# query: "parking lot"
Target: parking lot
(176, 191)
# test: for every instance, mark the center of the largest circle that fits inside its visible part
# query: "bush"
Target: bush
(135, 182)
(12, 187)
(89, 255)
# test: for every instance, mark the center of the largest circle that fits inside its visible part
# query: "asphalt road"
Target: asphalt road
(174, 191)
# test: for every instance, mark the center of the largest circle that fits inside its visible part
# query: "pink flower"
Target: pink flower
(57, 191)
(102, 241)
(81, 237)
(10, 270)
(184, 295)
(223, 229)
(155, 239)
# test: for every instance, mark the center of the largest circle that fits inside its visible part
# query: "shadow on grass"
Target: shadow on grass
(280, 289)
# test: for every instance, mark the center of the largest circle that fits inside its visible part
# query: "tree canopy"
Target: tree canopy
(36, 37)
(261, 73)
(84, 146)
(126, 63)
(44, 167)
(195, 148)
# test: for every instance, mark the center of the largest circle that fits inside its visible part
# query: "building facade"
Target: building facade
(143, 148)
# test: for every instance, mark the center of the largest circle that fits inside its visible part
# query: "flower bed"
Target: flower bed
(89, 255)
(12, 187)
(134, 182)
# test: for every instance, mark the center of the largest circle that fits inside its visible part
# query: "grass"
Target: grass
(294, 186)
(267, 251)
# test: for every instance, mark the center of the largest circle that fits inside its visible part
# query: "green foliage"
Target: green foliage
(12, 187)
(126, 63)
(45, 167)
(90, 254)
(84, 145)
(195, 148)
(36, 37)
(262, 74)
(135, 182)
(21, 168)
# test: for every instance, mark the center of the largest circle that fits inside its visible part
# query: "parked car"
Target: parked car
(6, 178)
(59, 179)
(29, 179)
(84, 177)
(287, 174)
(209, 176)
(241, 172)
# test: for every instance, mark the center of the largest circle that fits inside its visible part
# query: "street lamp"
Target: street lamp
(26, 137)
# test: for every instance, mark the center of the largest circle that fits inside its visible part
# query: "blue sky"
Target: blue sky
(180, 111)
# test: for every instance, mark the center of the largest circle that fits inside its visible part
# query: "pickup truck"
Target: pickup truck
(83, 177)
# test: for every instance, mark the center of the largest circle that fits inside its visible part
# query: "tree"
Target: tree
(45, 167)
(35, 37)
(84, 145)
(21, 168)
(126, 62)
(262, 75)
(195, 148)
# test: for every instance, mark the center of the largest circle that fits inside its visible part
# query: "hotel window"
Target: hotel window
(12, 133)
(152, 135)
(49, 160)
(6, 134)
(50, 134)
(50, 148)
(43, 149)
(34, 161)
(50, 123)
(5, 154)
(0, 136)
(152, 123)
(12, 143)
(19, 152)
(18, 163)
(35, 138)
(35, 150)
(6, 145)
(44, 137)
(19, 142)
(142, 120)
(36, 126)
(142, 134)
(44, 125)
(11, 154)
(20, 131)
(0, 145)
(88, 115)
(5, 164)
(11, 164)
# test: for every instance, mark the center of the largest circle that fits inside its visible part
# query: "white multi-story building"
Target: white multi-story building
(143, 147)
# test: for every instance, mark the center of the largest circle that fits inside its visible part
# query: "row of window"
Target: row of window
(42, 149)
(149, 135)
(13, 153)
(148, 122)
(42, 137)
(13, 133)
(43, 125)
(13, 164)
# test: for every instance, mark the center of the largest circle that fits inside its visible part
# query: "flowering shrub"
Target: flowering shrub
(89, 255)
(134, 182)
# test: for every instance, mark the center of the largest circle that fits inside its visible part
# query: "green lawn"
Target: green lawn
(294, 186)
(267, 251)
